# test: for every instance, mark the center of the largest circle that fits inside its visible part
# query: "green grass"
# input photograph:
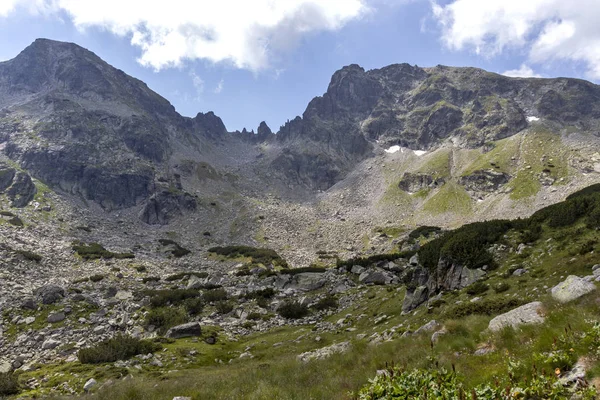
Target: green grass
(436, 164)
(449, 198)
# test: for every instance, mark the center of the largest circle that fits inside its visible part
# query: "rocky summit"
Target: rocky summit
(435, 216)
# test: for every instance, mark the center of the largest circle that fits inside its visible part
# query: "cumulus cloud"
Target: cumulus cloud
(524, 71)
(548, 30)
(246, 33)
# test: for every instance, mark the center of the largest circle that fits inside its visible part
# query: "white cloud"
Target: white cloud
(197, 82)
(524, 71)
(246, 33)
(548, 30)
(219, 87)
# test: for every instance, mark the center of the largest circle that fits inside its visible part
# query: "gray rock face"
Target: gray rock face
(164, 206)
(484, 181)
(307, 281)
(186, 330)
(527, 314)
(412, 183)
(22, 190)
(6, 177)
(571, 289)
(414, 298)
(50, 294)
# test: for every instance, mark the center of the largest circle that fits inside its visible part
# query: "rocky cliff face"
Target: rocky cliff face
(461, 144)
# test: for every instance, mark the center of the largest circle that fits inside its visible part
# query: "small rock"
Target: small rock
(56, 317)
(89, 385)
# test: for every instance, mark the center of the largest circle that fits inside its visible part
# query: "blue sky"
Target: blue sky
(255, 60)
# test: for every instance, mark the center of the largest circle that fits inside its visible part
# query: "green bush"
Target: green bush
(224, 307)
(147, 279)
(424, 231)
(423, 384)
(94, 251)
(177, 251)
(9, 384)
(165, 317)
(483, 307)
(16, 221)
(258, 255)
(292, 310)
(97, 277)
(326, 303)
(161, 298)
(501, 287)
(214, 295)
(29, 255)
(477, 288)
(194, 306)
(266, 293)
(367, 261)
(141, 269)
(118, 348)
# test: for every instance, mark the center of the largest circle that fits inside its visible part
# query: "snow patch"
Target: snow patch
(393, 149)
(532, 119)
(419, 153)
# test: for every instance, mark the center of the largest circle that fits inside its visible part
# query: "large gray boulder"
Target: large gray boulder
(414, 298)
(531, 313)
(191, 329)
(376, 276)
(571, 289)
(307, 281)
(50, 294)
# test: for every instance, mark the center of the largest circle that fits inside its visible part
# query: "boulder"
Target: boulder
(56, 317)
(50, 294)
(324, 352)
(486, 181)
(428, 327)
(376, 276)
(186, 330)
(89, 385)
(528, 314)
(307, 281)
(571, 289)
(414, 298)
(6, 177)
(162, 207)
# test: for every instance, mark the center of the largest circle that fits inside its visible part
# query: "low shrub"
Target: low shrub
(150, 279)
(177, 250)
(424, 231)
(9, 384)
(292, 310)
(7, 214)
(30, 255)
(194, 306)
(266, 293)
(483, 307)
(477, 288)
(367, 261)
(115, 349)
(501, 287)
(326, 303)
(94, 251)
(16, 221)
(294, 271)
(214, 295)
(254, 316)
(165, 317)
(179, 276)
(258, 255)
(161, 298)
(97, 277)
(141, 268)
(224, 307)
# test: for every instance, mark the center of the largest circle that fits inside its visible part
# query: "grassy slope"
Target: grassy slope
(274, 371)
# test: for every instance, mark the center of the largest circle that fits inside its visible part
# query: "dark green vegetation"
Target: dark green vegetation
(94, 251)
(9, 384)
(367, 261)
(30, 255)
(177, 250)
(293, 310)
(117, 348)
(257, 255)
(424, 231)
